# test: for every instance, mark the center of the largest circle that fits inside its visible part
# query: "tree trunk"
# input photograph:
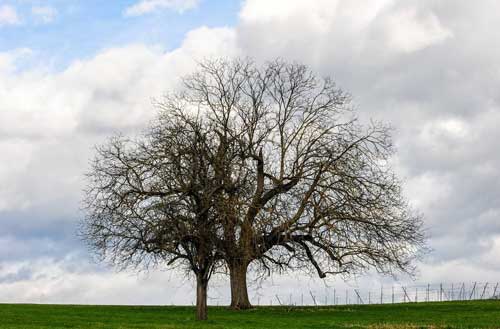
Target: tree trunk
(239, 292)
(201, 297)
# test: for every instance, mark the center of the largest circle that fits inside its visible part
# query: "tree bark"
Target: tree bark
(201, 297)
(239, 292)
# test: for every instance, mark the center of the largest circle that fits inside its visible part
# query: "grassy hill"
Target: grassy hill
(475, 314)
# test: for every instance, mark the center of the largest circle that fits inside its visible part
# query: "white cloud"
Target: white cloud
(8, 16)
(409, 31)
(344, 30)
(148, 6)
(427, 191)
(45, 117)
(9, 59)
(70, 281)
(44, 14)
(262, 10)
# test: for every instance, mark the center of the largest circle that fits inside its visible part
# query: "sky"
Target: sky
(73, 73)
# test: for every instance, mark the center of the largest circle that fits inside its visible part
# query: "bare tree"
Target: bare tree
(304, 184)
(263, 165)
(148, 202)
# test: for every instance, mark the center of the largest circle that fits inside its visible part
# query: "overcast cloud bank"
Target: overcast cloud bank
(429, 68)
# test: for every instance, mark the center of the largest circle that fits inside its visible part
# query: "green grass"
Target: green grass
(476, 314)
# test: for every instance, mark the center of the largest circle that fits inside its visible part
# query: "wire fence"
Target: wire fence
(383, 295)
(394, 294)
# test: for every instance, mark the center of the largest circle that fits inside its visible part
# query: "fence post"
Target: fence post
(334, 297)
(302, 299)
(314, 299)
(484, 290)
(406, 295)
(473, 290)
(369, 297)
(381, 294)
(495, 291)
(452, 295)
(359, 297)
(416, 294)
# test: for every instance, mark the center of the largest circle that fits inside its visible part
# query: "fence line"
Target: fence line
(396, 293)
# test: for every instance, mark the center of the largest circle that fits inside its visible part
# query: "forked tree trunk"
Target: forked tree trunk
(201, 297)
(239, 292)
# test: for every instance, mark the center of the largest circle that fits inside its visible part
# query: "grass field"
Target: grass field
(476, 314)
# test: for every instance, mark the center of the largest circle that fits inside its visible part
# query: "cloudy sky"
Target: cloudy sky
(73, 72)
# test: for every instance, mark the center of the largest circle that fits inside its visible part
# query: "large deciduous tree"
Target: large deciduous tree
(246, 164)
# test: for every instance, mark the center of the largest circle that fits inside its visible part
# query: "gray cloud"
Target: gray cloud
(428, 68)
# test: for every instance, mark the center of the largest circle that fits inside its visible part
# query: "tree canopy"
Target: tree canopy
(246, 164)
